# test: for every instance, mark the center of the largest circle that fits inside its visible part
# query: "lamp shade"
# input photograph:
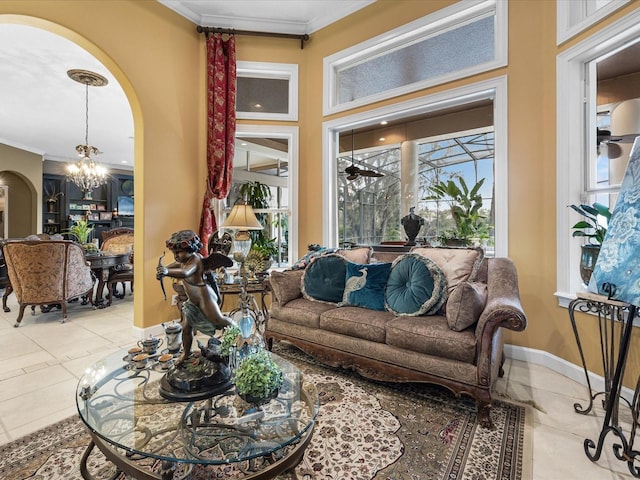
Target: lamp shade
(242, 217)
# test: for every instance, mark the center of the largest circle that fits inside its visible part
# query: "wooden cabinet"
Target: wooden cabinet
(70, 206)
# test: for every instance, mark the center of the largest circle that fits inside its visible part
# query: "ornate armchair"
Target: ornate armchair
(47, 272)
(119, 240)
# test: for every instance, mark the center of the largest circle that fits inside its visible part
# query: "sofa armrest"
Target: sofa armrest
(503, 309)
(286, 286)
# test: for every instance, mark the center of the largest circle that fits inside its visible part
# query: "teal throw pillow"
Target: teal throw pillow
(365, 285)
(416, 286)
(323, 280)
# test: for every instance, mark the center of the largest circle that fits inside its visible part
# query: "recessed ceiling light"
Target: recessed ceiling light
(383, 122)
(382, 139)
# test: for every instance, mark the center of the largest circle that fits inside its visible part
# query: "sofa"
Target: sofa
(444, 330)
(46, 273)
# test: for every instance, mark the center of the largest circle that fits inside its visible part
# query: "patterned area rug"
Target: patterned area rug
(365, 430)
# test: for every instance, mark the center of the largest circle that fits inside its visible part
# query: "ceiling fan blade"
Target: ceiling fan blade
(370, 173)
(352, 176)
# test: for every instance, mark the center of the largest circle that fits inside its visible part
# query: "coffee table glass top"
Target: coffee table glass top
(122, 405)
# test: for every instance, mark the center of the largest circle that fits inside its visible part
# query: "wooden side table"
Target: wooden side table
(260, 288)
(614, 349)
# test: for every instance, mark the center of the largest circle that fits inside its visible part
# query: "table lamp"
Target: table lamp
(242, 219)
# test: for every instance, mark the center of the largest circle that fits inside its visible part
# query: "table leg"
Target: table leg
(102, 280)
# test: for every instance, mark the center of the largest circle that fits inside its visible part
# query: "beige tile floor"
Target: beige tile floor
(43, 360)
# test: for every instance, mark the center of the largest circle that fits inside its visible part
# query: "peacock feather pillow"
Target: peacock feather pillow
(365, 285)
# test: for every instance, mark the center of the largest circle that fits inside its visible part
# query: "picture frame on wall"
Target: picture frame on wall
(105, 216)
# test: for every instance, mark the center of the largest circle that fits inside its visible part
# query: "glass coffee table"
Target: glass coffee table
(129, 420)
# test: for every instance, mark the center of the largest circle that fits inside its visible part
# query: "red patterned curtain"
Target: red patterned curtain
(221, 126)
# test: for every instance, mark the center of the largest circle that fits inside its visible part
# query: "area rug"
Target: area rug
(365, 430)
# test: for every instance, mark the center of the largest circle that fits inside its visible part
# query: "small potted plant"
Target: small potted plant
(229, 337)
(258, 378)
(80, 230)
(593, 228)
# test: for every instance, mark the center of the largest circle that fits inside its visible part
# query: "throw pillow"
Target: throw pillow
(465, 305)
(323, 280)
(306, 259)
(360, 255)
(458, 264)
(416, 286)
(285, 286)
(365, 285)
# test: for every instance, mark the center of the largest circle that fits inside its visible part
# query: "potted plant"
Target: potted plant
(229, 337)
(258, 378)
(593, 227)
(80, 230)
(469, 223)
(263, 248)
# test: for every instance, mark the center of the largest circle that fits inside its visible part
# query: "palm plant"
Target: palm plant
(465, 204)
(80, 230)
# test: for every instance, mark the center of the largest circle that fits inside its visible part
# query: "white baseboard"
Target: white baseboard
(561, 366)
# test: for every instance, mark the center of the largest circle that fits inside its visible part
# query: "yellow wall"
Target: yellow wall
(21, 172)
(159, 59)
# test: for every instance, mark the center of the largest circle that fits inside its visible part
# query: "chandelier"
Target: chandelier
(86, 173)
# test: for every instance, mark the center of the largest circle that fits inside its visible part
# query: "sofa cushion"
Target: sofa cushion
(458, 264)
(356, 322)
(323, 280)
(465, 305)
(431, 336)
(300, 311)
(416, 286)
(365, 285)
(286, 285)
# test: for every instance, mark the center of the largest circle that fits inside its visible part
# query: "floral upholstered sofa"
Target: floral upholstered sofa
(432, 315)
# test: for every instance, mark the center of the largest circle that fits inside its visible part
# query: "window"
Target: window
(267, 91)
(461, 40)
(269, 155)
(585, 173)
(574, 16)
(368, 209)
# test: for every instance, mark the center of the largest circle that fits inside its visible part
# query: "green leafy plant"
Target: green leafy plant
(265, 247)
(80, 230)
(257, 195)
(258, 376)
(592, 227)
(465, 204)
(229, 336)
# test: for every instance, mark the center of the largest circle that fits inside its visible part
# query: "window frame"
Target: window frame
(281, 71)
(495, 88)
(291, 134)
(566, 9)
(575, 105)
(420, 29)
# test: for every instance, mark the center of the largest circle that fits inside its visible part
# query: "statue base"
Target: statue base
(195, 379)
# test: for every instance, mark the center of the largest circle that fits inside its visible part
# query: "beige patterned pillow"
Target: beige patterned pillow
(465, 305)
(361, 255)
(286, 285)
(458, 264)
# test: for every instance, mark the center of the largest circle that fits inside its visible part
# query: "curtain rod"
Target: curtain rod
(230, 31)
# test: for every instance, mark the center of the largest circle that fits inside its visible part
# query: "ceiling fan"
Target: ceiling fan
(353, 171)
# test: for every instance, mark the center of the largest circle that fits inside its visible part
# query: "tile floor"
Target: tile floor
(43, 360)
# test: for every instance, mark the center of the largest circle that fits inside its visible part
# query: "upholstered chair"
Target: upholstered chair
(119, 240)
(47, 272)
